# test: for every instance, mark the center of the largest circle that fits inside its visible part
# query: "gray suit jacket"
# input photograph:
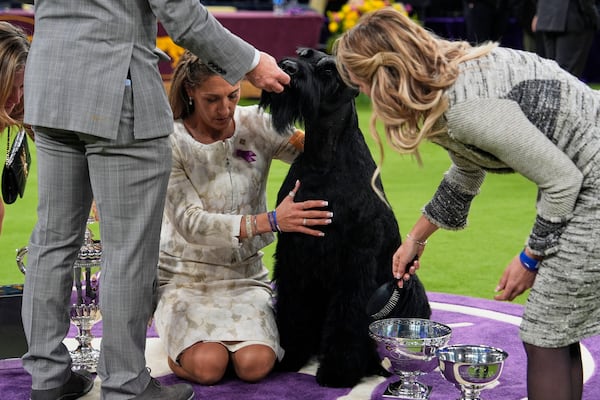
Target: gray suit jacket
(83, 51)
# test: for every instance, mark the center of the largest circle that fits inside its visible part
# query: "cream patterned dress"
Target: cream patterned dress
(214, 286)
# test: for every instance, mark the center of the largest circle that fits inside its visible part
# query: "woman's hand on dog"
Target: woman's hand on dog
(302, 216)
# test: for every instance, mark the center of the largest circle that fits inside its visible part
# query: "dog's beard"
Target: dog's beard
(284, 113)
(295, 105)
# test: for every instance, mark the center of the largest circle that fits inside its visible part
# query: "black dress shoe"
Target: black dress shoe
(155, 391)
(78, 384)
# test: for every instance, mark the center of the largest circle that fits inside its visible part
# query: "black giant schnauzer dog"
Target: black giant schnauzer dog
(324, 283)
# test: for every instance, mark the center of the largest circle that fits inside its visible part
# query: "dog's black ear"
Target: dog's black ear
(304, 52)
(326, 62)
(314, 56)
(327, 65)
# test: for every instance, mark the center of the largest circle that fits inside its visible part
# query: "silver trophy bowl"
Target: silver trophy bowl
(407, 348)
(471, 368)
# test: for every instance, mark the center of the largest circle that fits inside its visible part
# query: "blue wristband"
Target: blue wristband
(275, 221)
(271, 221)
(531, 264)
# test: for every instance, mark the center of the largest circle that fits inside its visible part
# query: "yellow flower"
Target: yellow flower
(400, 7)
(350, 13)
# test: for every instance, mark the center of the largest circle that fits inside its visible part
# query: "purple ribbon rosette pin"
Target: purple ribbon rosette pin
(247, 155)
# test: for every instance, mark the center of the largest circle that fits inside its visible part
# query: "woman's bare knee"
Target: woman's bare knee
(204, 363)
(253, 363)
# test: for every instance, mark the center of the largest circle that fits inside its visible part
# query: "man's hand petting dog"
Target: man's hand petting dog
(302, 216)
(268, 75)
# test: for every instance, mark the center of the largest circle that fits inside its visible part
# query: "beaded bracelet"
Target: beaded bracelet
(421, 243)
(249, 232)
(254, 225)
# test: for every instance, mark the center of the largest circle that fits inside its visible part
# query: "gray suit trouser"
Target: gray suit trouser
(127, 178)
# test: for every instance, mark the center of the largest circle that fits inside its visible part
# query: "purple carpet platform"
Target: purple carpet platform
(473, 321)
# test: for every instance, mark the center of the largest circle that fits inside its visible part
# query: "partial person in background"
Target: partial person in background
(95, 98)
(567, 29)
(524, 12)
(498, 110)
(215, 305)
(485, 20)
(14, 48)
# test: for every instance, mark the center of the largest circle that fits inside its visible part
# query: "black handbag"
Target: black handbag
(16, 167)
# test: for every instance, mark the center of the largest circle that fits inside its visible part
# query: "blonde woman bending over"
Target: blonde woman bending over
(498, 110)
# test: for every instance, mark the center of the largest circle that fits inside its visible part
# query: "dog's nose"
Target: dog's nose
(289, 66)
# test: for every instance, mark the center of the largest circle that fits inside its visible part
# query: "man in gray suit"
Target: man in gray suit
(95, 98)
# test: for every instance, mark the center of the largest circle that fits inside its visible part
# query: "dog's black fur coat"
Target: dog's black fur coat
(324, 283)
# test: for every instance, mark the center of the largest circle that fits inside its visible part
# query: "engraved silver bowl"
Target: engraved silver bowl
(471, 368)
(407, 348)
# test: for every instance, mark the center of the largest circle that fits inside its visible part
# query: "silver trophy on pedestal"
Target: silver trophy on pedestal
(407, 347)
(85, 311)
(471, 368)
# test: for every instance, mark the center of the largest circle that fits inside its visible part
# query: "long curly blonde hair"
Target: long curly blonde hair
(408, 69)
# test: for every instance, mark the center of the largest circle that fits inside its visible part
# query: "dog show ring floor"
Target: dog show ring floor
(473, 321)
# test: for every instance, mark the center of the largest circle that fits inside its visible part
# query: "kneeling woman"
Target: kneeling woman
(214, 309)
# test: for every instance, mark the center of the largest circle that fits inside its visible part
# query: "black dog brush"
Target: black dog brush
(385, 299)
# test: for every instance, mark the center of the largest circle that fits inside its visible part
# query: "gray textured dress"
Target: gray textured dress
(512, 111)
(213, 286)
